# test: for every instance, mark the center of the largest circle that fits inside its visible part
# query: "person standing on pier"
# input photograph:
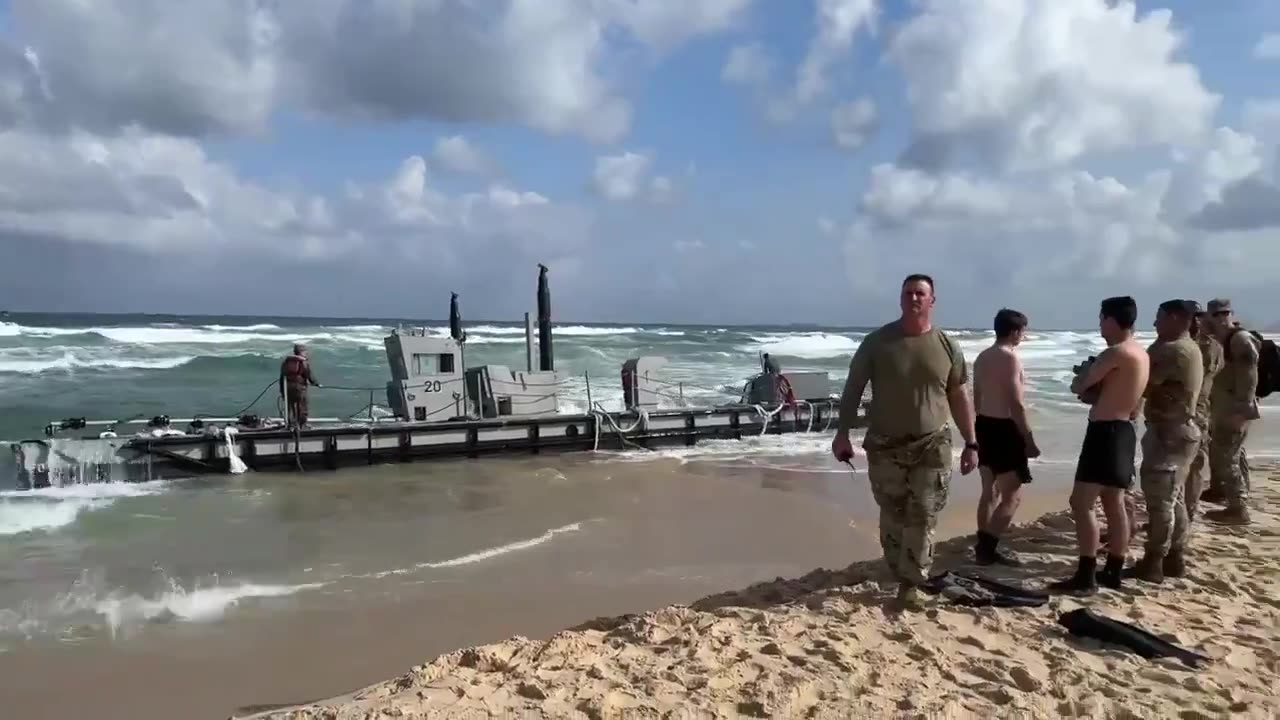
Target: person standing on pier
(295, 376)
(918, 376)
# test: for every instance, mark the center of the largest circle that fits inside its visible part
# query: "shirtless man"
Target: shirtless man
(1118, 379)
(1003, 433)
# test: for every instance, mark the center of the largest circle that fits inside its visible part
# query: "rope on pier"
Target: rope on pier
(767, 415)
(234, 464)
(642, 423)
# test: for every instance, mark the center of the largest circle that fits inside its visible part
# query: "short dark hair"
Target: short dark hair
(918, 277)
(1122, 309)
(1176, 307)
(1008, 322)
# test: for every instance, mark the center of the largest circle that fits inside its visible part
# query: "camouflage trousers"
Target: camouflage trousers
(1199, 478)
(297, 404)
(1227, 460)
(1167, 454)
(910, 482)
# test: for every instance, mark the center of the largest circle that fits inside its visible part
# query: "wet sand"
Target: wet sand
(829, 642)
(681, 532)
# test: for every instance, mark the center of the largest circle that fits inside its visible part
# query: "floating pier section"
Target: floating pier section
(442, 409)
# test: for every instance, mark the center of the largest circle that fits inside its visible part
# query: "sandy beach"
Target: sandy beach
(828, 643)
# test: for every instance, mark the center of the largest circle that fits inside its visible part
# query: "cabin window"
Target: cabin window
(446, 363)
(425, 364)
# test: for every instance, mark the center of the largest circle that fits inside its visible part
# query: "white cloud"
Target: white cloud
(147, 192)
(197, 68)
(1081, 234)
(837, 22)
(166, 197)
(1034, 167)
(1043, 83)
(853, 123)
(665, 23)
(628, 176)
(459, 155)
(1268, 47)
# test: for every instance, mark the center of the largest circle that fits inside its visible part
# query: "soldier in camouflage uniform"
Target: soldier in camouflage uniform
(918, 377)
(1171, 439)
(1232, 409)
(1211, 355)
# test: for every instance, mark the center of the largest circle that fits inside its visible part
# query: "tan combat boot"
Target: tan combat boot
(1148, 569)
(1238, 515)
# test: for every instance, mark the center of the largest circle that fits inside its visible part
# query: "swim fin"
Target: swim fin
(1084, 623)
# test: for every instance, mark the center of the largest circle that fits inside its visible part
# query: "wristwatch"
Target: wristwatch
(971, 446)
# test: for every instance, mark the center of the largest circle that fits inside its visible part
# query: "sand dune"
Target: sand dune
(824, 645)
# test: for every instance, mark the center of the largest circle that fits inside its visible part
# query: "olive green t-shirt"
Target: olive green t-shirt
(1173, 386)
(910, 376)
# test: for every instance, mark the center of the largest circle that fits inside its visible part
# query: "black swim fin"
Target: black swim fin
(1084, 623)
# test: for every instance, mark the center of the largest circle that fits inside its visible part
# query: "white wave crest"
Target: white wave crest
(31, 364)
(239, 328)
(482, 555)
(809, 346)
(54, 508)
(89, 598)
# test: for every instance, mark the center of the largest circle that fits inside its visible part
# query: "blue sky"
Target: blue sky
(225, 157)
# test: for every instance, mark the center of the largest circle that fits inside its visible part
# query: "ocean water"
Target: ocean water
(89, 560)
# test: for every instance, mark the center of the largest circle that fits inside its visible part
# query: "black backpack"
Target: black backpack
(1268, 362)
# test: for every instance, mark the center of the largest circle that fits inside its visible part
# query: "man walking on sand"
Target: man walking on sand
(1114, 383)
(1233, 407)
(1211, 360)
(918, 376)
(1003, 434)
(1171, 439)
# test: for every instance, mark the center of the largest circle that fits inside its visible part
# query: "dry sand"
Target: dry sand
(828, 645)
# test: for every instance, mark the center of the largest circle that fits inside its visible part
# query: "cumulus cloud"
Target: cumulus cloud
(752, 66)
(837, 22)
(459, 155)
(991, 195)
(1031, 169)
(1043, 83)
(629, 176)
(228, 67)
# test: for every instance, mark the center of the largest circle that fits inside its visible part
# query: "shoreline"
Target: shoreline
(677, 533)
(817, 645)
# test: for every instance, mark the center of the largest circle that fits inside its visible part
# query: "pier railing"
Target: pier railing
(526, 392)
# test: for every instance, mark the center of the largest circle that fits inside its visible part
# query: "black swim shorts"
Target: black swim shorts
(1107, 454)
(1001, 447)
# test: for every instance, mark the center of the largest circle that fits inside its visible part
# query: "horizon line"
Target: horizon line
(490, 321)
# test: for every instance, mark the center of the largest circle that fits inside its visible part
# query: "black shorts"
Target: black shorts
(1001, 447)
(1107, 454)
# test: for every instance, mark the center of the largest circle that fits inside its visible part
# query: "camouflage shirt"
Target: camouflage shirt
(1211, 353)
(1233, 390)
(1177, 372)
